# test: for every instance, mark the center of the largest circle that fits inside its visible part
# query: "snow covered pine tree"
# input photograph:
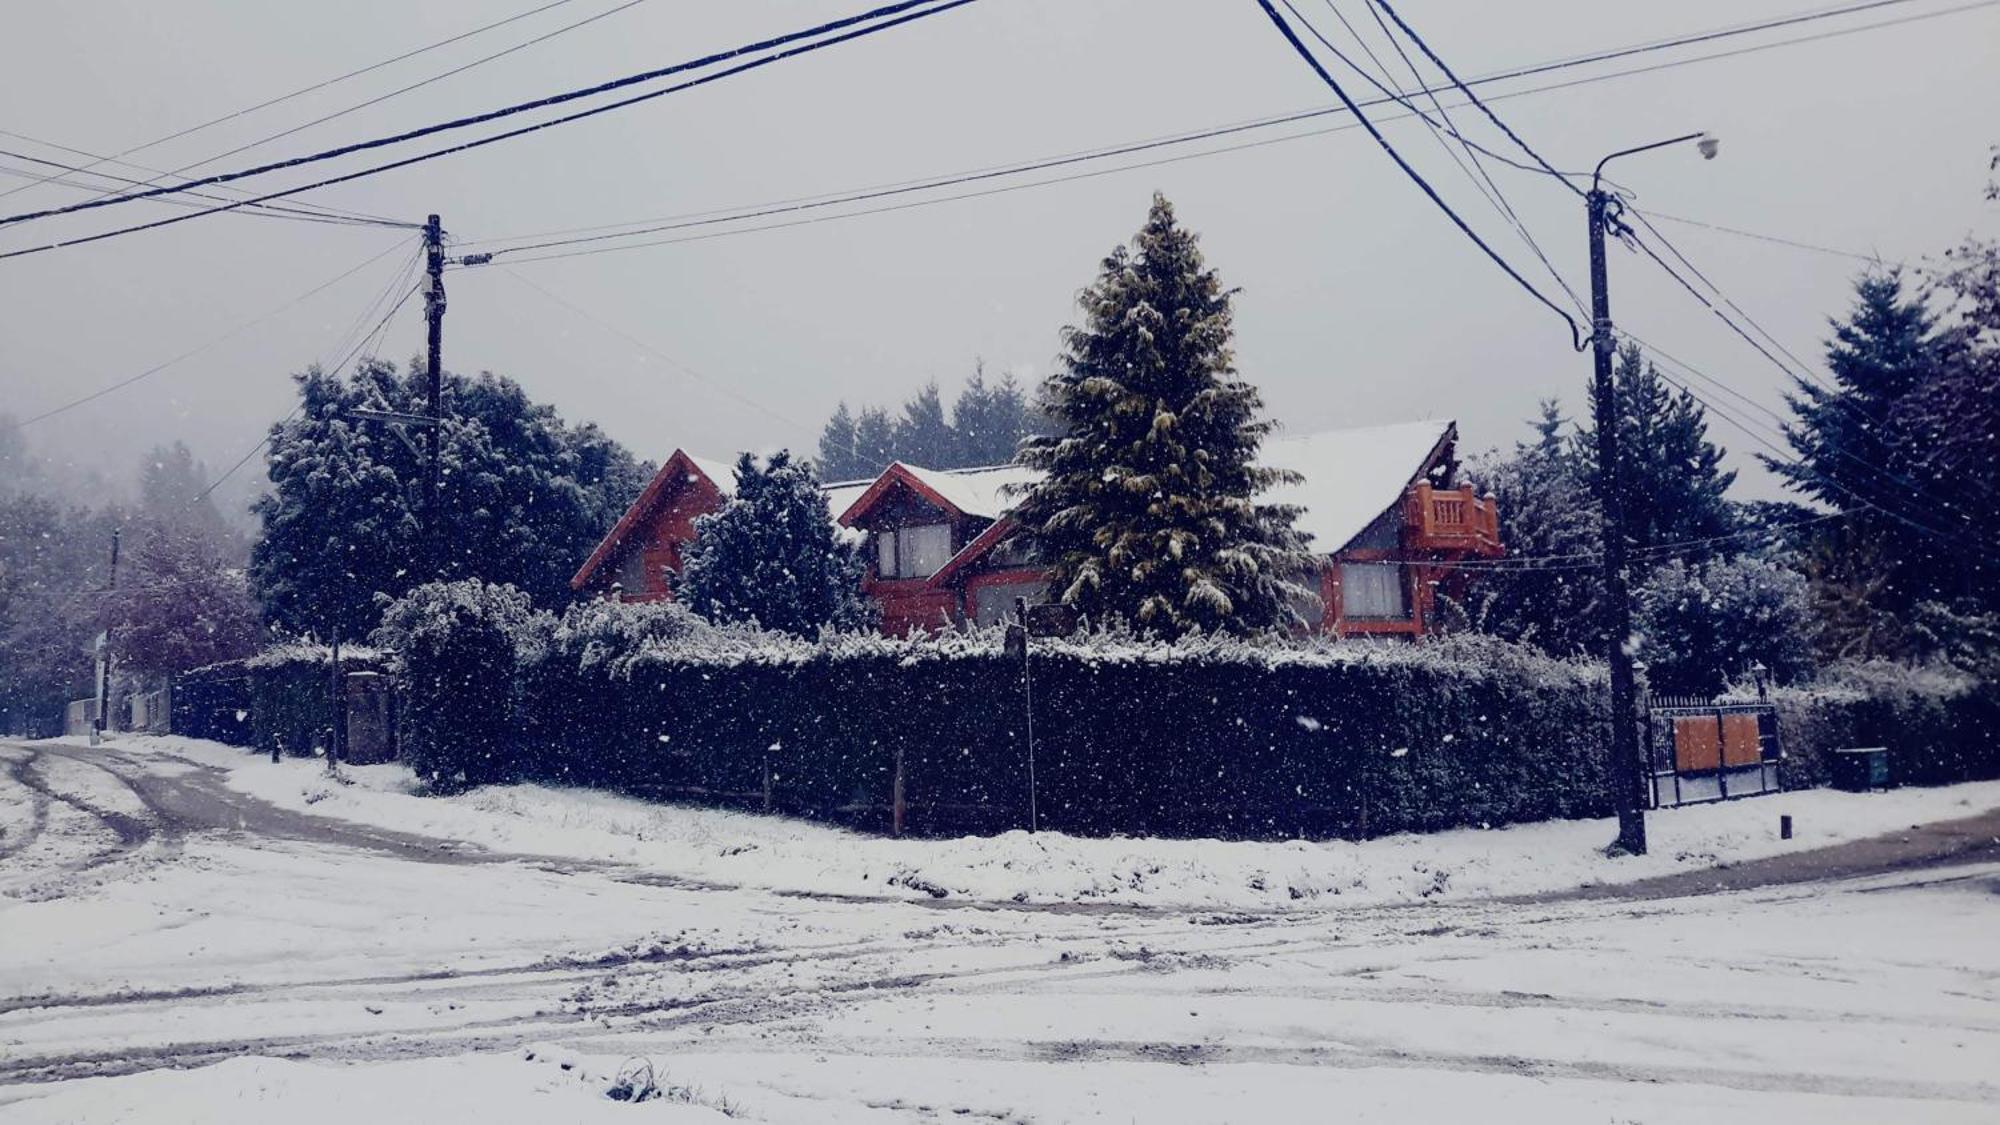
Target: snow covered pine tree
(1149, 509)
(773, 556)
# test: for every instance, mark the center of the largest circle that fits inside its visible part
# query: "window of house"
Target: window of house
(1372, 590)
(912, 552)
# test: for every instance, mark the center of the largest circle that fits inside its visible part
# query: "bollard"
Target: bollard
(1785, 827)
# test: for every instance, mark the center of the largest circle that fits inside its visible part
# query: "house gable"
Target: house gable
(646, 543)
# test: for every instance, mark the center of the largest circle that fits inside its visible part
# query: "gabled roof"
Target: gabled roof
(1352, 476)
(978, 492)
(680, 470)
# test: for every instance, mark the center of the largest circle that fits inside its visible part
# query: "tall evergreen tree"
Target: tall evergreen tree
(1873, 446)
(1675, 484)
(839, 457)
(1149, 504)
(772, 555)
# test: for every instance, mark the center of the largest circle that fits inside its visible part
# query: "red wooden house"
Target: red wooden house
(1383, 505)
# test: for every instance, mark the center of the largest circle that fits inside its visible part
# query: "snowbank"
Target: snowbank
(779, 854)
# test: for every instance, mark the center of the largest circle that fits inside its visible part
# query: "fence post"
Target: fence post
(897, 815)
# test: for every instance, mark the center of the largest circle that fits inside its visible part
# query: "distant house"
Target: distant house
(1383, 505)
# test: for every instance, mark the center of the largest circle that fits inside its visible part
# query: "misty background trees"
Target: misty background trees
(986, 424)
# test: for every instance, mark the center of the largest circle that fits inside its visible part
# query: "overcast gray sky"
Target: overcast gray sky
(1360, 303)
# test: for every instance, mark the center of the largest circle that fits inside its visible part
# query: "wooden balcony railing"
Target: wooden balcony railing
(1451, 519)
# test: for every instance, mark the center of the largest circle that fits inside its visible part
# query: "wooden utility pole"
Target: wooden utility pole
(1625, 765)
(434, 385)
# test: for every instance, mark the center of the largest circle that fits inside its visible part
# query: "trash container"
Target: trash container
(1861, 769)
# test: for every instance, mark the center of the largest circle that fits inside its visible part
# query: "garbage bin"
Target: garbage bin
(1861, 769)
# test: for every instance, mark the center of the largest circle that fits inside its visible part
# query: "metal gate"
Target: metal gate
(1700, 751)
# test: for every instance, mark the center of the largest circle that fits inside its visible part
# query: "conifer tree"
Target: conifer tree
(1149, 507)
(1548, 512)
(874, 442)
(838, 457)
(772, 555)
(923, 437)
(1674, 481)
(1858, 451)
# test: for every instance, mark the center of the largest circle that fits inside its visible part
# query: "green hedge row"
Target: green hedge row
(278, 700)
(1204, 738)
(1939, 727)
(1222, 740)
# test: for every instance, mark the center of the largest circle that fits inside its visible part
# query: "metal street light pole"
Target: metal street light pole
(1627, 766)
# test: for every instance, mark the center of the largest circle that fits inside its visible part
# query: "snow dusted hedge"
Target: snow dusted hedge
(279, 699)
(1200, 738)
(1940, 726)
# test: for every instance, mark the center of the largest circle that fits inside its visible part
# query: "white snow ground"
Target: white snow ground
(777, 853)
(256, 975)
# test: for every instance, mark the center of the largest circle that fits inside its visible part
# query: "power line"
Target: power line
(1560, 177)
(1943, 503)
(1476, 172)
(375, 334)
(303, 90)
(95, 160)
(1781, 456)
(1591, 560)
(788, 53)
(266, 211)
(689, 220)
(863, 20)
(671, 361)
(1872, 259)
(1298, 45)
(339, 113)
(225, 337)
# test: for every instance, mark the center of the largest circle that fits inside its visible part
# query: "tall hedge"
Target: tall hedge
(1199, 738)
(459, 646)
(280, 699)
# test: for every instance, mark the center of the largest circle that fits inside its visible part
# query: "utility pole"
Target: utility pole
(434, 376)
(1627, 766)
(1617, 581)
(98, 721)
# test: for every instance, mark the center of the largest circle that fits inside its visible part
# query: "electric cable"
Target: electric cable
(225, 337)
(1304, 52)
(717, 216)
(862, 20)
(303, 90)
(788, 53)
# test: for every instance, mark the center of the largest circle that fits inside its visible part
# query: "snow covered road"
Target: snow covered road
(172, 949)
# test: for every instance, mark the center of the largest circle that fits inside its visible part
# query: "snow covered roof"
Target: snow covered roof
(722, 474)
(1351, 476)
(841, 495)
(977, 492)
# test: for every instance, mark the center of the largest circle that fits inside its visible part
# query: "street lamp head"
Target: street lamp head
(1708, 145)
